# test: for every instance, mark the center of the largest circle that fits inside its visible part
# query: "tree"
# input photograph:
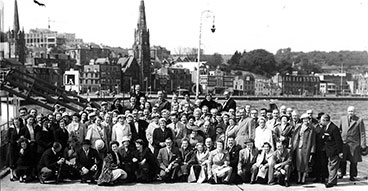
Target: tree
(214, 60)
(234, 61)
(259, 62)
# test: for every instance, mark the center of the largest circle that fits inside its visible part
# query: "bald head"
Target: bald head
(351, 111)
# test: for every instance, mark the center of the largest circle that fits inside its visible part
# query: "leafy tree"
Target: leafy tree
(259, 62)
(214, 60)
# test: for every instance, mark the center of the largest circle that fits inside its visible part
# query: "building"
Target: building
(215, 81)
(129, 73)
(362, 84)
(298, 84)
(171, 79)
(83, 54)
(244, 83)
(12, 43)
(265, 87)
(100, 77)
(141, 47)
(159, 53)
(340, 81)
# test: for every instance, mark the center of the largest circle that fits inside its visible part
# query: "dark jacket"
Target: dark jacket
(333, 140)
(44, 140)
(49, 159)
(210, 104)
(88, 161)
(61, 136)
(234, 156)
(141, 134)
(230, 103)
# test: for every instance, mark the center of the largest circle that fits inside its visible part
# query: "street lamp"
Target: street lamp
(213, 29)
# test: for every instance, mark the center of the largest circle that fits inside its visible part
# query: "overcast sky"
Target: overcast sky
(302, 25)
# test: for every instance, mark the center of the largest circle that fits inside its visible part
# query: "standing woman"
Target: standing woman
(303, 144)
(29, 132)
(218, 165)
(61, 134)
(121, 129)
(151, 127)
(160, 135)
(96, 132)
(231, 128)
(14, 134)
(44, 138)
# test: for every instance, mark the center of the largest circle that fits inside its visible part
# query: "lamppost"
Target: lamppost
(213, 29)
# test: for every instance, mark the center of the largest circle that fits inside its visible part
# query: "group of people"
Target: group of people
(184, 141)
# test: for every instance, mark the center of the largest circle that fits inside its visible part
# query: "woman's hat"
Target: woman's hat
(304, 115)
(125, 138)
(99, 144)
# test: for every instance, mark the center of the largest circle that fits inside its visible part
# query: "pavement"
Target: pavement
(343, 184)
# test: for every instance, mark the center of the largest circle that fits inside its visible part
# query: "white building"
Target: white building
(71, 80)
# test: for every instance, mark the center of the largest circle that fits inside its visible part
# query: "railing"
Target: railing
(3, 145)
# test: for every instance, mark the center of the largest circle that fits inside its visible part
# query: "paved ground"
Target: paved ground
(344, 184)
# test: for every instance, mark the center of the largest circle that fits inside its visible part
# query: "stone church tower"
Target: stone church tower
(141, 48)
(16, 39)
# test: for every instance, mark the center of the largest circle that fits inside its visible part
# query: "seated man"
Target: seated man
(247, 157)
(88, 162)
(169, 159)
(50, 162)
(233, 150)
(282, 164)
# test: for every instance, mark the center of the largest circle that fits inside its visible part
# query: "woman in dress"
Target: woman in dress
(230, 129)
(112, 170)
(218, 165)
(121, 129)
(198, 171)
(160, 135)
(145, 163)
(263, 167)
(44, 138)
(303, 144)
(96, 132)
(14, 133)
(149, 131)
(61, 134)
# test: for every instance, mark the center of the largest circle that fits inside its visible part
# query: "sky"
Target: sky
(302, 25)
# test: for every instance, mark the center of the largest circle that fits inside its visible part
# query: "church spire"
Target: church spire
(16, 27)
(142, 17)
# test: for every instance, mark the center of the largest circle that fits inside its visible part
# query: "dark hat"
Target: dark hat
(287, 117)
(139, 141)
(273, 106)
(86, 142)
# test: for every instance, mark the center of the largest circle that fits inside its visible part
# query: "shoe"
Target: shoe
(328, 185)
(287, 184)
(83, 181)
(353, 179)
(340, 176)
(93, 182)
(323, 180)
(272, 183)
(252, 182)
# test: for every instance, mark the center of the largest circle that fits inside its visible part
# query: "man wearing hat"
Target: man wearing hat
(247, 157)
(50, 162)
(88, 162)
(104, 106)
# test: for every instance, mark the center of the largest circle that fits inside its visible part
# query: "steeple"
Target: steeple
(142, 17)
(16, 27)
(141, 48)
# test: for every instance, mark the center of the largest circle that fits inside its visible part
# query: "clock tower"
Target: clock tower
(141, 48)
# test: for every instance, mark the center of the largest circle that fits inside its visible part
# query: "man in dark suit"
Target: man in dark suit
(161, 102)
(138, 128)
(353, 136)
(169, 159)
(233, 150)
(229, 102)
(132, 105)
(50, 162)
(333, 147)
(88, 162)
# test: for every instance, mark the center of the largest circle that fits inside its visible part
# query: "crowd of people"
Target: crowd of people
(184, 141)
